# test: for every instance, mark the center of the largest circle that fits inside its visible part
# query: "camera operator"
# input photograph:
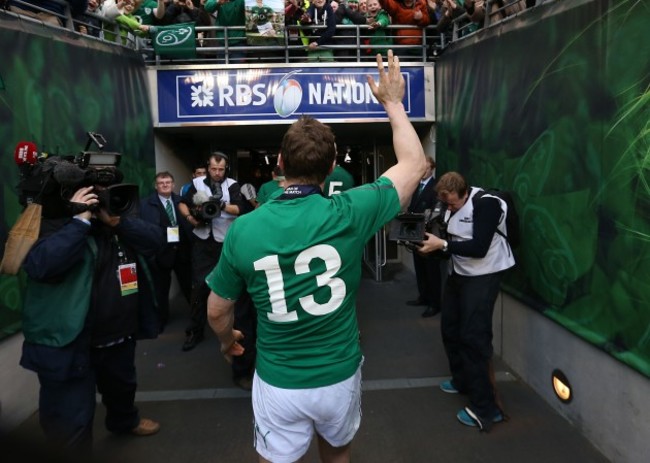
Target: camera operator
(208, 233)
(87, 300)
(479, 256)
(427, 268)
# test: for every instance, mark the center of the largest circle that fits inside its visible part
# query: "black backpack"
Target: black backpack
(512, 217)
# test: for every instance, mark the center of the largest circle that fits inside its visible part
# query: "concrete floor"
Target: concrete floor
(406, 418)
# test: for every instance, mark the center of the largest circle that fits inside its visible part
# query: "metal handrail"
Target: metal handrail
(291, 49)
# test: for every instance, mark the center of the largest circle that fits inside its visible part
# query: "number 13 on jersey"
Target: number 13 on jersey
(270, 265)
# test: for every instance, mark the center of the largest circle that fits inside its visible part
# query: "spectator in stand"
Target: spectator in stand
(90, 25)
(230, 13)
(320, 13)
(293, 12)
(450, 10)
(147, 12)
(408, 12)
(363, 6)
(58, 10)
(130, 21)
(378, 19)
(347, 16)
(185, 11)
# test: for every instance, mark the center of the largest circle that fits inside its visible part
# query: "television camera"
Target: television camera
(408, 229)
(51, 180)
(207, 207)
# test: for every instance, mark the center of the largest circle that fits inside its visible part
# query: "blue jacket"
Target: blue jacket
(60, 269)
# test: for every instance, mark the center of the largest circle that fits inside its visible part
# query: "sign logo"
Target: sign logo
(174, 37)
(288, 96)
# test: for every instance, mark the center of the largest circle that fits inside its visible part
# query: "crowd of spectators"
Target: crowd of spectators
(323, 30)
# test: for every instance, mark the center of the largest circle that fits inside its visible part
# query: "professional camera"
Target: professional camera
(51, 180)
(409, 228)
(207, 207)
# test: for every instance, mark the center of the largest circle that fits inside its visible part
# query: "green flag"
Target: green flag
(175, 41)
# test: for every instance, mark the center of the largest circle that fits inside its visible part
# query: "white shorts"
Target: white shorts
(285, 419)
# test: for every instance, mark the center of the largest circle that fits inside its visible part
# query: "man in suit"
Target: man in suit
(161, 209)
(427, 268)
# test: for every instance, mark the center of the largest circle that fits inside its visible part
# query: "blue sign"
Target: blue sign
(276, 94)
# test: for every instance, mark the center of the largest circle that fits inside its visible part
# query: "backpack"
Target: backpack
(512, 217)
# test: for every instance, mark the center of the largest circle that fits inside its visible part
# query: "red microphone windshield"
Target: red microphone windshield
(25, 153)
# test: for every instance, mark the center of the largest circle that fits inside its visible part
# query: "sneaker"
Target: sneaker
(448, 387)
(146, 427)
(469, 418)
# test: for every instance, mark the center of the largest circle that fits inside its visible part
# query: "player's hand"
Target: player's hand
(391, 86)
(232, 348)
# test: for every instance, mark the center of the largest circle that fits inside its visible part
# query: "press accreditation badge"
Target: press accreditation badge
(173, 235)
(128, 279)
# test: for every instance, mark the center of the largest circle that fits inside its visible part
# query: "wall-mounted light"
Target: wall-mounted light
(561, 386)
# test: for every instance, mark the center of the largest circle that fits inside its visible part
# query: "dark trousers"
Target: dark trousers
(182, 268)
(429, 279)
(67, 407)
(243, 366)
(205, 256)
(466, 326)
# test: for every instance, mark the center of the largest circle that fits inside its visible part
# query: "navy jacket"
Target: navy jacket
(152, 211)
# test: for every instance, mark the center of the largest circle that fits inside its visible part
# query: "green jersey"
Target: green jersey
(300, 260)
(266, 191)
(336, 182)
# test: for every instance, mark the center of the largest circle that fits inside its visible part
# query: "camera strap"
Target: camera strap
(300, 191)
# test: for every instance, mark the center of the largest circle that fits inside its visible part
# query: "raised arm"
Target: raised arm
(411, 165)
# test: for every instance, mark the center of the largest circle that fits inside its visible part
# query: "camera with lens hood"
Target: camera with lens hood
(207, 207)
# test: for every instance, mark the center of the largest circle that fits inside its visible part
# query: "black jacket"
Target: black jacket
(426, 199)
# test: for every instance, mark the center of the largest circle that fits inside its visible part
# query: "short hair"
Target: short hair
(431, 162)
(308, 150)
(451, 182)
(164, 174)
(218, 156)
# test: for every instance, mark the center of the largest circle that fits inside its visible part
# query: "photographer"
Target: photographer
(480, 254)
(88, 298)
(210, 206)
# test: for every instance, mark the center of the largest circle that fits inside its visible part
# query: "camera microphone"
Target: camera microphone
(25, 153)
(200, 197)
(66, 173)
